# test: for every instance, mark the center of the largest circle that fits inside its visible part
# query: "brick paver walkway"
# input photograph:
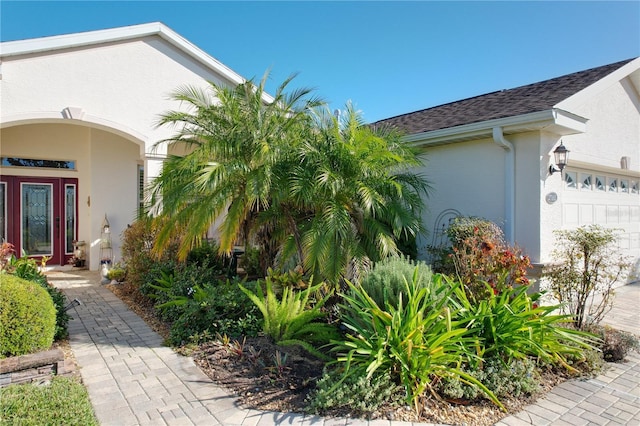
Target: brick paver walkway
(612, 398)
(133, 379)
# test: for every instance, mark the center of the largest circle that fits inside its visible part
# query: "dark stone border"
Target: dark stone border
(34, 368)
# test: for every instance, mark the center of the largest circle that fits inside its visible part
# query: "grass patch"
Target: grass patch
(64, 401)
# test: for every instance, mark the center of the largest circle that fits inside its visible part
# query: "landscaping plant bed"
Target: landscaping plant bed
(247, 368)
(281, 381)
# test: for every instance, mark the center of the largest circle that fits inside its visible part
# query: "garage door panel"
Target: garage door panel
(600, 213)
(612, 214)
(586, 214)
(571, 214)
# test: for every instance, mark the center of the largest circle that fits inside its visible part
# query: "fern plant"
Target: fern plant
(291, 319)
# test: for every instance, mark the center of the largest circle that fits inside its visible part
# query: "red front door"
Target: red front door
(40, 216)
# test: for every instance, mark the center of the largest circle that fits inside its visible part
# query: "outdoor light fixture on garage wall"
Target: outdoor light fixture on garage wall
(561, 156)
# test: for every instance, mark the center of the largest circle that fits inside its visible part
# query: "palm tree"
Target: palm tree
(319, 191)
(355, 195)
(236, 136)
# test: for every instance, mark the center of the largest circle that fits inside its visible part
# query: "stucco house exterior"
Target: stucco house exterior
(78, 117)
(489, 156)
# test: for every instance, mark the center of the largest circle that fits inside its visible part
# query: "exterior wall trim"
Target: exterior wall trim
(52, 117)
(554, 120)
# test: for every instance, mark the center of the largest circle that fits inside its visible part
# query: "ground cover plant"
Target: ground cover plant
(64, 401)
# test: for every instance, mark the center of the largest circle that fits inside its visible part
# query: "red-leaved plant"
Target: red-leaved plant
(480, 255)
(7, 250)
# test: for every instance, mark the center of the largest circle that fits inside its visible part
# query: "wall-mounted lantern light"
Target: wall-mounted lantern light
(561, 156)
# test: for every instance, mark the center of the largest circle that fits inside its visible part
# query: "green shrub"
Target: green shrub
(117, 273)
(62, 317)
(137, 250)
(251, 262)
(27, 269)
(463, 228)
(220, 308)
(589, 265)
(360, 395)
(386, 281)
(207, 254)
(27, 317)
(175, 285)
(511, 325)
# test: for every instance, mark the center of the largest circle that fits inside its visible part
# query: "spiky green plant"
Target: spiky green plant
(418, 340)
(291, 319)
(511, 325)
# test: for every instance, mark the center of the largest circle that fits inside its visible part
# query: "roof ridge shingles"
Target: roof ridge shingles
(520, 100)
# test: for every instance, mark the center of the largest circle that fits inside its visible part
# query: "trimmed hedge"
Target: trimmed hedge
(27, 317)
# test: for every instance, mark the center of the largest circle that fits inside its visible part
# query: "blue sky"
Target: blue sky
(389, 58)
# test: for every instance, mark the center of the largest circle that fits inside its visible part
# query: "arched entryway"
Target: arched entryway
(57, 182)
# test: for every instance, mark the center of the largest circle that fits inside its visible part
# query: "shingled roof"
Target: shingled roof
(505, 103)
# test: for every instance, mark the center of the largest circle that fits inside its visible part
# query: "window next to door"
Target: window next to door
(3, 212)
(70, 196)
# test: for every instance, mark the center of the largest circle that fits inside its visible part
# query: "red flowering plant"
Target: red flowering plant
(480, 256)
(7, 250)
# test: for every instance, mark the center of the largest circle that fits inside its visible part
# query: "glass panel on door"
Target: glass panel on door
(3, 212)
(37, 219)
(70, 217)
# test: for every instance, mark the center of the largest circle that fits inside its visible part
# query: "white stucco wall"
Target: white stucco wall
(467, 177)
(527, 193)
(125, 84)
(613, 132)
(613, 129)
(470, 177)
(117, 91)
(114, 179)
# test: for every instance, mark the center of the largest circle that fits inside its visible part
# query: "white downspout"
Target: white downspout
(509, 183)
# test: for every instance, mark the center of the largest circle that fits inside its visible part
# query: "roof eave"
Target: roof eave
(66, 41)
(552, 120)
(630, 69)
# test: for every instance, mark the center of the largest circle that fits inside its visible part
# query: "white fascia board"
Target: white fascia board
(554, 120)
(67, 41)
(588, 92)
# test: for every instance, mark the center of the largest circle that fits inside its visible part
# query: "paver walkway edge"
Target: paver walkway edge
(133, 380)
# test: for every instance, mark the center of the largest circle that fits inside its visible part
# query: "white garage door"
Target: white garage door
(606, 199)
